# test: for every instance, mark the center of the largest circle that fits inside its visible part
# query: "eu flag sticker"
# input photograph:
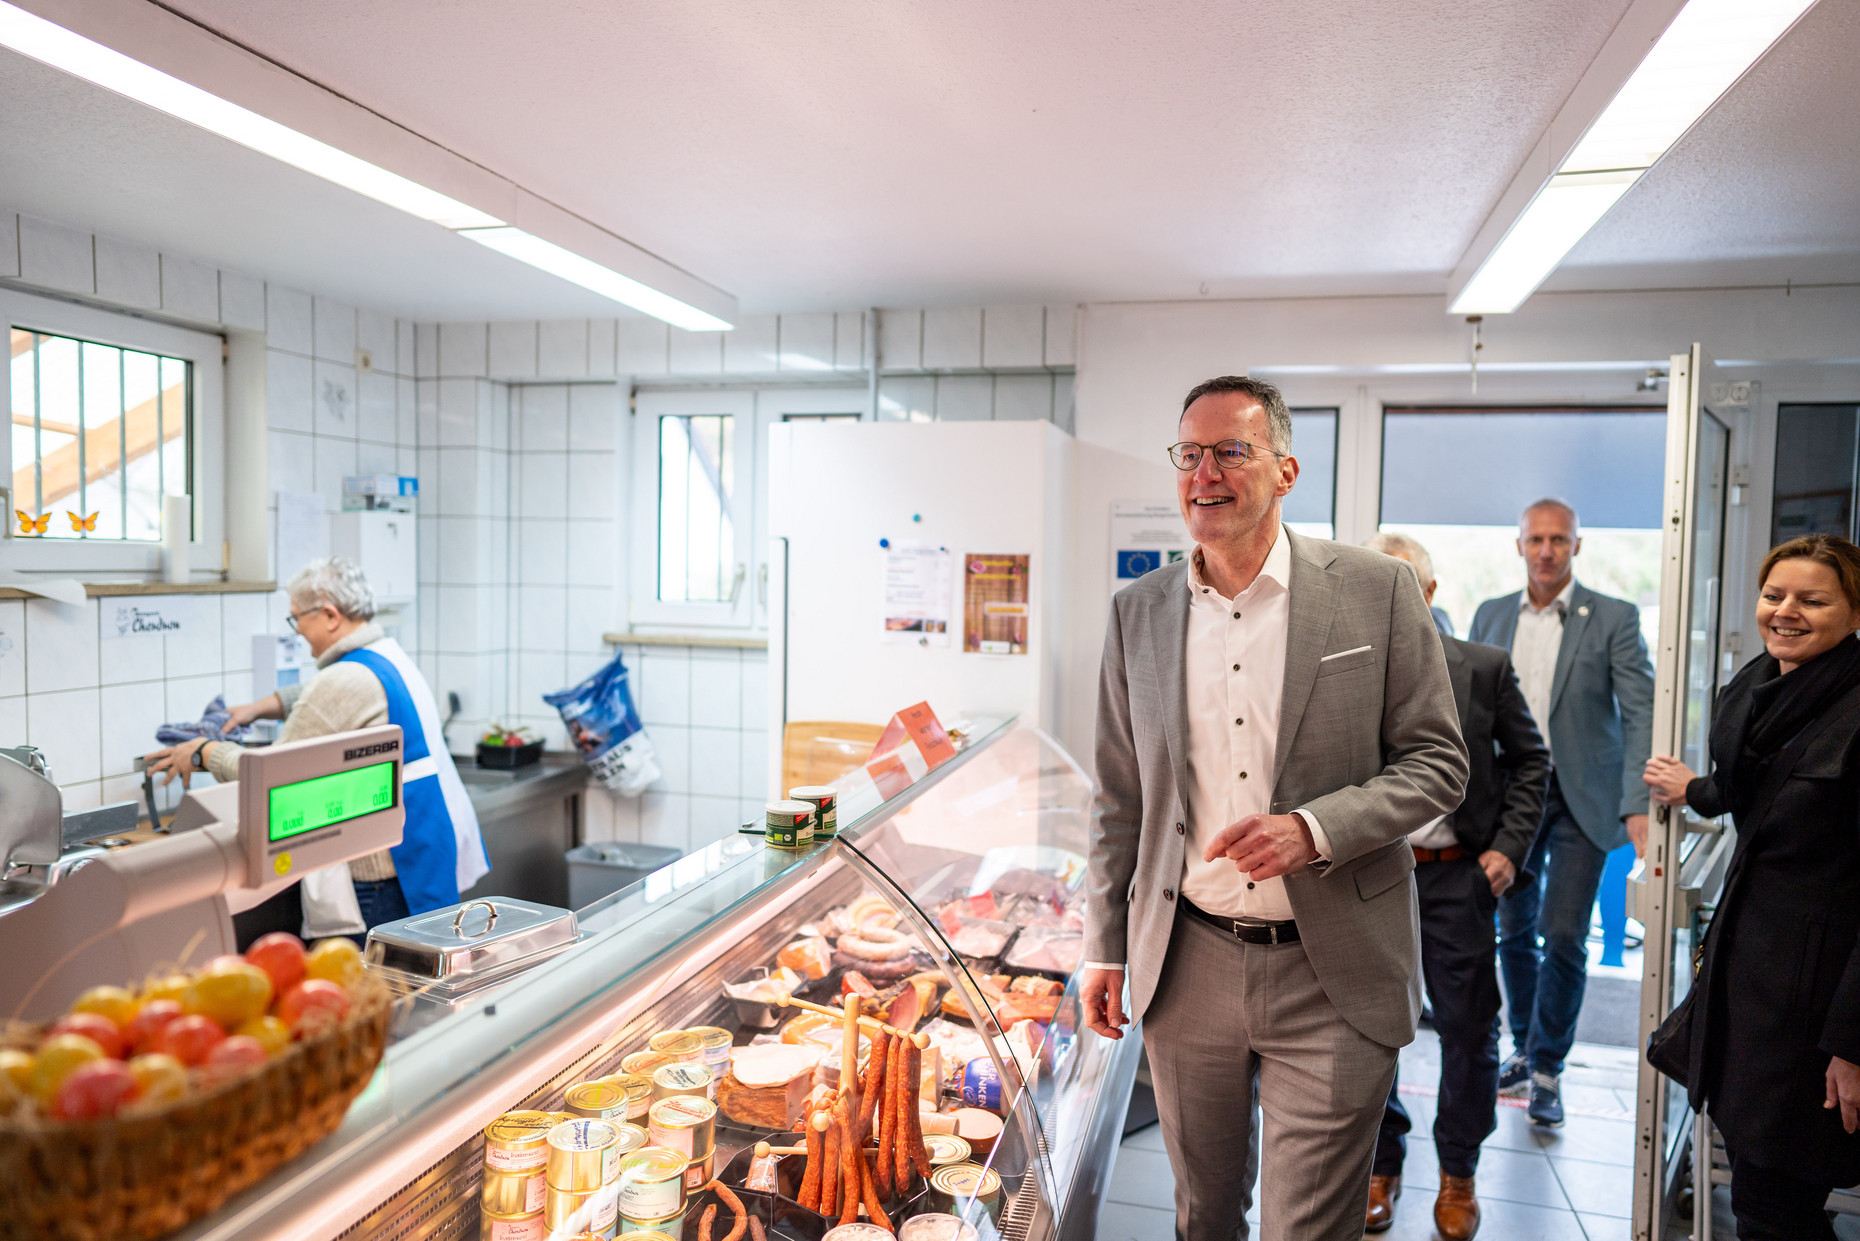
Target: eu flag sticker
(1136, 564)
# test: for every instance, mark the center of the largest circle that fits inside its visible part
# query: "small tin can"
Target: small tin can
(595, 1210)
(825, 799)
(518, 1141)
(856, 1232)
(494, 1227)
(955, 1185)
(945, 1149)
(652, 1183)
(638, 1094)
(684, 1123)
(717, 1043)
(583, 1156)
(642, 1063)
(597, 1100)
(789, 824)
(670, 1081)
(685, 1046)
(512, 1193)
(672, 1229)
(936, 1228)
(981, 1084)
(698, 1172)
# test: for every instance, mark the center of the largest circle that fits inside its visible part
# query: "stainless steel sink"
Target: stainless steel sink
(486, 776)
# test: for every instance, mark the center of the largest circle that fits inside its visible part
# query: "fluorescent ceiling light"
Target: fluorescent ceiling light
(1700, 56)
(1550, 227)
(591, 275)
(31, 35)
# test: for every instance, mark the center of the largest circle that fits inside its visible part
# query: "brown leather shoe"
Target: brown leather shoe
(1383, 1190)
(1456, 1211)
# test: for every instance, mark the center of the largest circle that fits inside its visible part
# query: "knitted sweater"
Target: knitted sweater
(340, 698)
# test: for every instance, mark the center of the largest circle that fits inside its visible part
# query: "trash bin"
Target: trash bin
(595, 871)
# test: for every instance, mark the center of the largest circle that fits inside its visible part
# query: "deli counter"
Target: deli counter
(954, 910)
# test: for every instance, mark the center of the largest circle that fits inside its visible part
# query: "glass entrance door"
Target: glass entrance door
(1676, 880)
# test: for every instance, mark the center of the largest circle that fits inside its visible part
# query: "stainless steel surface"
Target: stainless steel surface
(31, 811)
(81, 827)
(471, 944)
(530, 818)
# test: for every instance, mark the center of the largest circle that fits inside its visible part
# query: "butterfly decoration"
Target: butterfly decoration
(28, 524)
(82, 523)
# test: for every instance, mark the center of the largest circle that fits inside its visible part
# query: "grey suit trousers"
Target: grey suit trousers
(1224, 1012)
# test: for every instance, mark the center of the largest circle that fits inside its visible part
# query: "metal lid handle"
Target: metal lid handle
(458, 921)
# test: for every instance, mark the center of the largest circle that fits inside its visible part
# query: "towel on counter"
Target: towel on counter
(211, 721)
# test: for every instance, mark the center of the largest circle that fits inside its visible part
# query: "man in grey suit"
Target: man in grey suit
(1585, 673)
(1274, 718)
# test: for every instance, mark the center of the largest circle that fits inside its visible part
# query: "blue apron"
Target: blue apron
(426, 859)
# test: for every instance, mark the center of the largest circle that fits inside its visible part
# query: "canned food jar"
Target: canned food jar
(583, 1156)
(682, 1045)
(856, 1232)
(981, 1084)
(652, 1183)
(595, 1210)
(825, 800)
(945, 1149)
(954, 1185)
(936, 1228)
(789, 824)
(638, 1093)
(698, 1172)
(596, 1100)
(642, 1063)
(518, 1141)
(671, 1081)
(512, 1193)
(672, 1229)
(717, 1043)
(684, 1123)
(493, 1227)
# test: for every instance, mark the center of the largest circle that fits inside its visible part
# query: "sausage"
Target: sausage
(810, 1176)
(874, 1083)
(830, 1171)
(869, 1192)
(710, 1214)
(851, 1163)
(904, 1098)
(887, 1120)
(736, 1207)
(755, 1230)
(914, 1121)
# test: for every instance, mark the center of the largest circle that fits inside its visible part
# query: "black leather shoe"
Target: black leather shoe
(1546, 1107)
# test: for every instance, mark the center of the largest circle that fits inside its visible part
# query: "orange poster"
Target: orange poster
(995, 607)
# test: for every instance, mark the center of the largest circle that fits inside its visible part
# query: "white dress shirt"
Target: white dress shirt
(1534, 648)
(1235, 680)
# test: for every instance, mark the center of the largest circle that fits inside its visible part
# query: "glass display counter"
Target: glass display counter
(952, 912)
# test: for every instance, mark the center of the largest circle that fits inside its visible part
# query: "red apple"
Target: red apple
(145, 1030)
(95, 1027)
(191, 1039)
(313, 1003)
(280, 954)
(236, 1054)
(93, 1090)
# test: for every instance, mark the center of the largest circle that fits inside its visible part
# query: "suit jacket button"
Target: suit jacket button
(1180, 830)
(1168, 894)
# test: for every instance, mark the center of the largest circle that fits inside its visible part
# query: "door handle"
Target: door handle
(736, 586)
(762, 585)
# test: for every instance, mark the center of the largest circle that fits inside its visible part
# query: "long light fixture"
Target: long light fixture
(549, 257)
(46, 41)
(1700, 56)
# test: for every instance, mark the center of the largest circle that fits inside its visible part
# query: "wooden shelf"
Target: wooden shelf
(105, 590)
(743, 642)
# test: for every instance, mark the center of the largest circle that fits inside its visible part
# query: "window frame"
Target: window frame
(648, 408)
(207, 446)
(773, 408)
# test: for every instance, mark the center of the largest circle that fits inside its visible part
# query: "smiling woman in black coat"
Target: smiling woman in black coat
(1775, 1049)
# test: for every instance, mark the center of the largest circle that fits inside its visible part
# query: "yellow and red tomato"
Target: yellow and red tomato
(230, 991)
(116, 1003)
(94, 1090)
(272, 1034)
(159, 1078)
(190, 1039)
(59, 1056)
(95, 1027)
(313, 1004)
(145, 1031)
(337, 960)
(281, 955)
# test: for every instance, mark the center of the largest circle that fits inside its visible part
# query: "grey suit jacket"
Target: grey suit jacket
(1601, 706)
(1369, 743)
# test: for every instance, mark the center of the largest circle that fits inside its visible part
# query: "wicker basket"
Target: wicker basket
(145, 1174)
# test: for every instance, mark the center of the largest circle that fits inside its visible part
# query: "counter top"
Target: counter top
(495, 788)
(107, 590)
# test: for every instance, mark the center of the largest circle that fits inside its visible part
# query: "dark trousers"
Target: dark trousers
(381, 901)
(1545, 984)
(1775, 1206)
(1462, 984)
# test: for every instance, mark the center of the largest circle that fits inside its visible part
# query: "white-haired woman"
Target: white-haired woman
(364, 679)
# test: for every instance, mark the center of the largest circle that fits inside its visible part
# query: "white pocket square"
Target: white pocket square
(1352, 651)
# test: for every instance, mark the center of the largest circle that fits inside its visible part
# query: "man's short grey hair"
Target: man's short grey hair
(336, 581)
(1404, 547)
(1563, 506)
(1278, 417)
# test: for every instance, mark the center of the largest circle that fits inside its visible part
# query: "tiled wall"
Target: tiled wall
(92, 701)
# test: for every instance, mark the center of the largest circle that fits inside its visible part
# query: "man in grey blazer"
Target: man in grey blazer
(1584, 669)
(1274, 718)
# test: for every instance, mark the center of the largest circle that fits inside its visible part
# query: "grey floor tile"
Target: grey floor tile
(1149, 1139)
(1516, 1221)
(1517, 1176)
(1142, 1178)
(1120, 1221)
(1584, 1137)
(1420, 1169)
(1597, 1188)
(1609, 1228)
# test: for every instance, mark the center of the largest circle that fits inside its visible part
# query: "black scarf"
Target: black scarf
(1781, 706)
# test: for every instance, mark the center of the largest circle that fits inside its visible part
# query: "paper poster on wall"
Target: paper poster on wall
(1145, 535)
(916, 605)
(995, 608)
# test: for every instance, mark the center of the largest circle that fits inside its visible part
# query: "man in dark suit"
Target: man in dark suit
(1583, 666)
(1463, 861)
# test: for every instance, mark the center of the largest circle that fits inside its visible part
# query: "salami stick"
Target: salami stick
(830, 1170)
(874, 1083)
(736, 1208)
(755, 1230)
(913, 1115)
(869, 1192)
(887, 1120)
(851, 1162)
(704, 1223)
(816, 1159)
(904, 1099)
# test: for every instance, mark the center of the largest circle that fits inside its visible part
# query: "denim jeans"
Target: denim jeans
(1544, 984)
(381, 901)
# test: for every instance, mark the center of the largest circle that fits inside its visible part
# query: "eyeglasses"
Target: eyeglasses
(290, 618)
(1228, 454)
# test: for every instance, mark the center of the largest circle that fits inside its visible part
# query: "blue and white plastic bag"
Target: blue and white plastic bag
(604, 726)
